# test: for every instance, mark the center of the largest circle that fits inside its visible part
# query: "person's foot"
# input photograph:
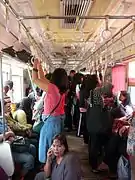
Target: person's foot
(103, 167)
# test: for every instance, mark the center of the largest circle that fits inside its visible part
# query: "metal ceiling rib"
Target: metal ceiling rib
(74, 8)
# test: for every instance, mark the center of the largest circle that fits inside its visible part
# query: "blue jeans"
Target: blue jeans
(52, 127)
(25, 159)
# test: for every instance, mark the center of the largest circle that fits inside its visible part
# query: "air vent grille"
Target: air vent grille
(74, 8)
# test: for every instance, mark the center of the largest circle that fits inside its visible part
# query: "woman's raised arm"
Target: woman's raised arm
(37, 76)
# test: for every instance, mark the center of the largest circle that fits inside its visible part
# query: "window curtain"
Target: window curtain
(119, 78)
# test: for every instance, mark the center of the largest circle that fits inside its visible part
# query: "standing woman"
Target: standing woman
(98, 121)
(54, 99)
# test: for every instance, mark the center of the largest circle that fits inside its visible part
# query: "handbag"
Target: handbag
(98, 118)
(37, 127)
(20, 145)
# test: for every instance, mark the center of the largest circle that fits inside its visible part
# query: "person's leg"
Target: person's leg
(40, 176)
(112, 153)
(76, 115)
(62, 122)
(26, 160)
(51, 128)
(34, 141)
(85, 131)
(54, 129)
(32, 150)
(43, 143)
(93, 151)
(68, 118)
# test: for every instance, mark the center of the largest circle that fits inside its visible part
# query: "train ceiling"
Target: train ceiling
(60, 42)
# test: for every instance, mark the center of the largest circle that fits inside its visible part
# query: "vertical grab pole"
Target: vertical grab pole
(31, 81)
(2, 97)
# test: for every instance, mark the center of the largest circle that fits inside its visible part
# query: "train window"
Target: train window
(18, 90)
(6, 72)
(5, 76)
(131, 90)
(17, 78)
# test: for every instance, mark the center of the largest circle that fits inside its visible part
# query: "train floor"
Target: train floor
(76, 144)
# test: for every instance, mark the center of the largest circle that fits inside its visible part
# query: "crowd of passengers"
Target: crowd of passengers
(65, 103)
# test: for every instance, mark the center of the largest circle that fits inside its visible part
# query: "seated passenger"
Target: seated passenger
(117, 145)
(12, 123)
(125, 110)
(60, 165)
(20, 116)
(10, 91)
(5, 90)
(26, 159)
(25, 105)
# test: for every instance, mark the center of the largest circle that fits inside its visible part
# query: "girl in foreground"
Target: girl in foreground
(60, 164)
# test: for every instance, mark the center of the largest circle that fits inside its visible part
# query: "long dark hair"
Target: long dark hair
(127, 100)
(63, 141)
(90, 83)
(25, 105)
(60, 79)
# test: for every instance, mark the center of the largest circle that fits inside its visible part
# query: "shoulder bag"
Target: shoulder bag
(40, 124)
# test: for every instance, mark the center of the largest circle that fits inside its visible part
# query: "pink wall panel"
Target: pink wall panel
(119, 78)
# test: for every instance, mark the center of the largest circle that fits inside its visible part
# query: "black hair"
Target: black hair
(90, 83)
(72, 71)
(25, 105)
(127, 100)
(77, 78)
(60, 79)
(9, 84)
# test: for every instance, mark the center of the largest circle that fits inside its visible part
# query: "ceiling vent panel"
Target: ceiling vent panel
(74, 8)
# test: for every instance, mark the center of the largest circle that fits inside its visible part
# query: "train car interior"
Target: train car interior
(67, 89)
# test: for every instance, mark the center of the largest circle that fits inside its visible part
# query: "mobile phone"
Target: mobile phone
(53, 156)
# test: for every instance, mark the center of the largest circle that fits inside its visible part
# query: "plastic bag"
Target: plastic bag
(124, 170)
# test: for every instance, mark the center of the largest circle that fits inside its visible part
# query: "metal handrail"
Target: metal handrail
(2, 97)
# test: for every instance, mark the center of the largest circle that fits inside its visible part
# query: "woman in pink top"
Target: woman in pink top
(54, 99)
